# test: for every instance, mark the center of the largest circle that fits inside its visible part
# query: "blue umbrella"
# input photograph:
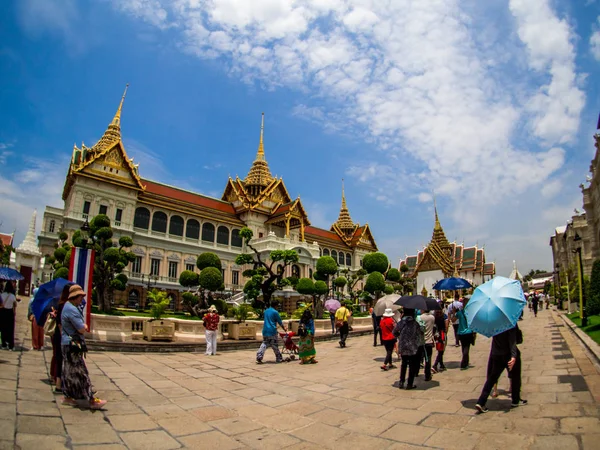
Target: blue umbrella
(495, 306)
(46, 297)
(452, 284)
(6, 273)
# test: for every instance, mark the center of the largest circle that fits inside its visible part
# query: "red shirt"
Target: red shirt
(211, 321)
(387, 325)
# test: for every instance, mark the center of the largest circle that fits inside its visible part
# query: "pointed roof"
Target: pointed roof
(515, 274)
(344, 221)
(439, 237)
(259, 174)
(113, 132)
(29, 244)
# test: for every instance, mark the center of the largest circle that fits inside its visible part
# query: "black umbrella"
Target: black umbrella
(418, 302)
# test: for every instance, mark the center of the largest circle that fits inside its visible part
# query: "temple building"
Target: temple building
(442, 259)
(171, 226)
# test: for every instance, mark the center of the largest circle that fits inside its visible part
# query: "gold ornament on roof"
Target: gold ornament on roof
(113, 132)
(344, 221)
(259, 175)
(439, 237)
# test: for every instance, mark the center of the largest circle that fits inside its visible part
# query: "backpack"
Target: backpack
(519, 336)
(302, 331)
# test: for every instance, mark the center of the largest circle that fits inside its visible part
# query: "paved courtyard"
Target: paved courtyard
(189, 400)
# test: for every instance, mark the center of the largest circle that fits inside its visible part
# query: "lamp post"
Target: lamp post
(557, 288)
(582, 312)
(85, 233)
(149, 282)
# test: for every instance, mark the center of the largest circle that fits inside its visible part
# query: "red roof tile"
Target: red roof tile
(7, 239)
(322, 233)
(152, 187)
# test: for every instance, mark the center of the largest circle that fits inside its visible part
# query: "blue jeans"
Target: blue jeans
(269, 341)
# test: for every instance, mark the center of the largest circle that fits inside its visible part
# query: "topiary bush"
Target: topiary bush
(593, 300)
(375, 283)
(63, 272)
(393, 275)
(211, 278)
(208, 260)
(375, 262)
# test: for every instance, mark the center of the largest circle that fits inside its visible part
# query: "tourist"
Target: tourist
(408, 332)
(504, 354)
(466, 336)
(376, 328)
(75, 377)
(454, 307)
(269, 332)
(534, 303)
(211, 326)
(332, 319)
(429, 321)
(387, 325)
(341, 323)
(7, 316)
(306, 345)
(37, 332)
(441, 326)
(57, 357)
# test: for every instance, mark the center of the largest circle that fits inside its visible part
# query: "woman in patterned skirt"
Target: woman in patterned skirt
(306, 332)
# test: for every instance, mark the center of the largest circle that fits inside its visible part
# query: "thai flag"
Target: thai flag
(81, 272)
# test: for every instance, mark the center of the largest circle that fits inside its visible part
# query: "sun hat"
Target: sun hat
(388, 312)
(212, 308)
(75, 291)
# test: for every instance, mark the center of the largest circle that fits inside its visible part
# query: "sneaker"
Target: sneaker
(384, 367)
(481, 409)
(96, 403)
(401, 385)
(391, 366)
(259, 361)
(520, 403)
(428, 379)
(69, 401)
(412, 386)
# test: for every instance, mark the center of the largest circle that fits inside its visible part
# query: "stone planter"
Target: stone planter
(242, 330)
(159, 330)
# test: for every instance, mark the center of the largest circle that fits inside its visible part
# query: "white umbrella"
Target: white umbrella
(386, 302)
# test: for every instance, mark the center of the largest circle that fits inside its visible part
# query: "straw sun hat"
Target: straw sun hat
(75, 291)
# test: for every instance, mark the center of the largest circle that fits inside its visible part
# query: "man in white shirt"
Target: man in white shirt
(454, 307)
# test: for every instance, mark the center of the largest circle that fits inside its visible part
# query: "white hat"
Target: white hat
(388, 313)
(212, 308)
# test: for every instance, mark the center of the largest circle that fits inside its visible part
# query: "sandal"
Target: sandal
(96, 403)
(314, 361)
(69, 401)
(384, 367)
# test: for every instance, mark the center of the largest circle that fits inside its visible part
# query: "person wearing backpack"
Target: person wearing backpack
(341, 323)
(504, 354)
(8, 312)
(409, 333)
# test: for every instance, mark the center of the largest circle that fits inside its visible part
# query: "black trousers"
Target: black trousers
(496, 365)
(389, 350)
(344, 330)
(439, 360)
(466, 340)
(377, 331)
(535, 309)
(7, 327)
(410, 362)
(428, 354)
(455, 327)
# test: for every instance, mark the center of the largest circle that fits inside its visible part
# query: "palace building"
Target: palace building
(170, 226)
(442, 259)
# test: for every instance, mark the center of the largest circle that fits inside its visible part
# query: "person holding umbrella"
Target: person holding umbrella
(408, 332)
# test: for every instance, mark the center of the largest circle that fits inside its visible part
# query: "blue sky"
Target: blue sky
(492, 105)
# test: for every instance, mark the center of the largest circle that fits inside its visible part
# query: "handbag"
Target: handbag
(50, 326)
(77, 345)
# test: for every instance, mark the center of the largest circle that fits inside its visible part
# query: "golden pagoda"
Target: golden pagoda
(259, 176)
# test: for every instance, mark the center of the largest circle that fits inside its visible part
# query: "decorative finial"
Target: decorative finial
(260, 155)
(343, 196)
(117, 118)
(437, 221)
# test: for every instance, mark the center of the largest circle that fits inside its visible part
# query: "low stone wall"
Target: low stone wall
(129, 328)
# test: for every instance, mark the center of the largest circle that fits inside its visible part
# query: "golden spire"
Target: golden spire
(113, 132)
(259, 174)
(439, 236)
(344, 221)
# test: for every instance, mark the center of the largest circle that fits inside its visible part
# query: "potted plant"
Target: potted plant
(240, 329)
(157, 327)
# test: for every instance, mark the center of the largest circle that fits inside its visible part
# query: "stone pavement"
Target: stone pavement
(189, 400)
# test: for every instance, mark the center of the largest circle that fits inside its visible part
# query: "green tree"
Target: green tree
(321, 289)
(593, 299)
(188, 279)
(353, 279)
(293, 281)
(63, 272)
(263, 275)
(393, 275)
(211, 279)
(158, 303)
(404, 268)
(208, 260)
(375, 283)
(376, 262)
(389, 289)
(110, 260)
(305, 286)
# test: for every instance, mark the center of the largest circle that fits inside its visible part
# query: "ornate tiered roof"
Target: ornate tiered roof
(29, 244)
(344, 227)
(259, 174)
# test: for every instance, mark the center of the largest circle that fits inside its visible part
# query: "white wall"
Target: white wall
(428, 279)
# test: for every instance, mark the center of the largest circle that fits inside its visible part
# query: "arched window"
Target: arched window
(334, 255)
(52, 226)
(295, 271)
(176, 226)
(141, 218)
(192, 229)
(236, 239)
(325, 252)
(279, 270)
(341, 259)
(223, 235)
(310, 273)
(348, 259)
(208, 232)
(159, 222)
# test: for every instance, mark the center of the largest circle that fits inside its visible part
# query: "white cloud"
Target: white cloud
(595, 42)
(479, 120)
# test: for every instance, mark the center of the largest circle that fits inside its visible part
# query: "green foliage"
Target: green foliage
(593, 299)
(318, 276)
(221, 305)
(375, 262)
(125, 241)
(246, 234)
(99, 221)
(158, 303)
(321, 288)
(63, 236)
(252, 289)
(104, 233)
(375, 283)
(404, 268)
(241, 312)
(120, 282)
(188, 279)
(531, 274)
(340, 282)
(208, 259)
(60, 253)
(112, 255)
(76, 239)
(305, 286)
(293, 281)
(326, 265)
(389, 289)
(286, 256)
(393, 275)
(63, 272)
(284, 315)
(189, 299)
(297, 314)
(283, 283)
(211, 279)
